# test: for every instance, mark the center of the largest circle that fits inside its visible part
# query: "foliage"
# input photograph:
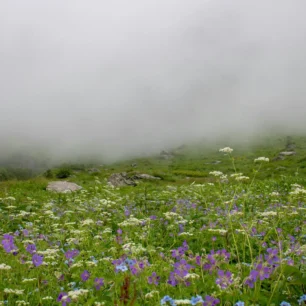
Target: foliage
(63, 173)
(233, 238)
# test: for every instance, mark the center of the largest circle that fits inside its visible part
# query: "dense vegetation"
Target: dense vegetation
(226, 233)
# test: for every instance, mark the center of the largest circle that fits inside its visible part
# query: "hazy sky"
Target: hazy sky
(123, 77)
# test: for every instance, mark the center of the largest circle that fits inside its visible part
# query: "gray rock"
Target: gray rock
(291, 147)
(287, 153)
(121, 179)
(214, 163)
(145, 177)
(166, 155)
(134, 165)
(63, 187)
(279, 157)
(93, 170)
(281, 168)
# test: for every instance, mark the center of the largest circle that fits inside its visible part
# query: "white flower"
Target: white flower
(226, 150)
(151, 294)
(77, 293)
(191, 276)
(14, 291)
(5, 267)
(217, 230)
(19, 303)
(274, 194)
(298, 191)
(10, 199)
(261, 159)
(242, 178)
(28, 280)
(87, 222)
(182, 302)
(236, 174)
(216, 173)
(47, 298)
(268, 213)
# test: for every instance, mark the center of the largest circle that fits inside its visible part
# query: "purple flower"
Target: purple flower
(8, 243)
(99, 282)
(153, 279)
(85, 276)
(210, 266)
(37, 260)
(271, 257)
(71, 254)
(173, 281)
(223, 253)
(31, 248)
(179, 252)
(210, 301)
(182, 268)
(63, 298)
(261, 272)
(250, 282)
(224, 279)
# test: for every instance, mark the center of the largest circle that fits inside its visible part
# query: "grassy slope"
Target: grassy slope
(190, 164)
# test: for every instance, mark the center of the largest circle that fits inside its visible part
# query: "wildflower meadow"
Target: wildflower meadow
(235, 240)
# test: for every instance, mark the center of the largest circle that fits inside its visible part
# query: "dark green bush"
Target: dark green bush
(48, 174)
(63, 173)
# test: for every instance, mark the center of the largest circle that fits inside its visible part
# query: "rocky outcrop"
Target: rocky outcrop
(121, 179)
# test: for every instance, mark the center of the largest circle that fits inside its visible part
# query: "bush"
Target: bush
(4, 175)
(63, 173)
(48, 174)
(15, 173)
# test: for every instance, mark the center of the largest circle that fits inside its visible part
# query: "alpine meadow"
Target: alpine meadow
(153, 153)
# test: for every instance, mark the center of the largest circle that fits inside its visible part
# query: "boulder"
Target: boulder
(63, 186)
(121, 179)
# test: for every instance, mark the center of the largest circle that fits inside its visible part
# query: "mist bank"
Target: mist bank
(111, 81)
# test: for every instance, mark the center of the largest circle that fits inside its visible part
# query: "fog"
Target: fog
(124, 78)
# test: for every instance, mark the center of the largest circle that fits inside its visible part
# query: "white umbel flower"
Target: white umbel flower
(226, 150)
(261, 159)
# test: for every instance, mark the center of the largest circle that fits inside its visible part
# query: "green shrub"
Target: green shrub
(4, 175)
(48, 174)
(63, 173)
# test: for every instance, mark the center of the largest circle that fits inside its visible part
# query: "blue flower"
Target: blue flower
(285, 304)
(122, 268)
(239, 303)
(166, 299)
(302, 299)
(196, 299)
